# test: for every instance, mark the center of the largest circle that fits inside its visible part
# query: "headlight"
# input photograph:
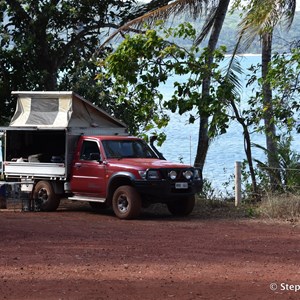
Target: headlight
(188, 174)
(153, 174)
(149, 174)
(173, 175)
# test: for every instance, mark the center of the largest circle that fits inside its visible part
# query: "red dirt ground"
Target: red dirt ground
(77, 254)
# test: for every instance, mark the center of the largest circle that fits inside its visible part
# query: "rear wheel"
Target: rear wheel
(182, 207)
(44, 196)
(126, 202)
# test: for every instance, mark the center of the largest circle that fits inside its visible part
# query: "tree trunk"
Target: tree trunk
(203, 139)
(270, 129)
(50, 82)
(247, 148)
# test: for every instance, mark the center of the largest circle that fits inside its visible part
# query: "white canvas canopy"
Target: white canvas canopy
(59, 110)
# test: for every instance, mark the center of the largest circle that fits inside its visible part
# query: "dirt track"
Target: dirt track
(77, 254)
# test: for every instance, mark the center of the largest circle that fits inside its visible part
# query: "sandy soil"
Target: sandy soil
(76, 254)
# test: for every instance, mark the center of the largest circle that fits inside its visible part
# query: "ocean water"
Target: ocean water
(224, 151)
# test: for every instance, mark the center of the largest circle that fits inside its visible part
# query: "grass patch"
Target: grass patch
(215, 208)
(284, 207)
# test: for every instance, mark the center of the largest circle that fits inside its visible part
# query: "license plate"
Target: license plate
(181, 185)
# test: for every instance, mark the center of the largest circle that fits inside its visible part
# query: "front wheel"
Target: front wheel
(182, 207)
(126, 202)
(45, 197)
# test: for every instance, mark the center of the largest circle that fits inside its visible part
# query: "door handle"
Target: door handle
(78, 165)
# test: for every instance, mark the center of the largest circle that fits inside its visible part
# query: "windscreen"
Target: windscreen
(127, 149)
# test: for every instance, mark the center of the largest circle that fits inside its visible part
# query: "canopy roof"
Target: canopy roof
(59, 110)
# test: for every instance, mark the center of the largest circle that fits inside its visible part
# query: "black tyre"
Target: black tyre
(182, 207)
(98, 206)
(126, 202)
(44, 197)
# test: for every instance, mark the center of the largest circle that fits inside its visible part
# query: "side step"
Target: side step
(87, 198)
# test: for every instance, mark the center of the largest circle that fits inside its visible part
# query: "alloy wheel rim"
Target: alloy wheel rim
(123, 204)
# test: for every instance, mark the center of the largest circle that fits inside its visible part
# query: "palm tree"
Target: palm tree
(215, 23)
(260, 20)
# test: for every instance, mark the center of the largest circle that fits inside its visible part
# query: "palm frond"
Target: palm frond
(208, 24)
(262, 16)
(234, 69)
(289, 10)
(261, 148)
(194, 8)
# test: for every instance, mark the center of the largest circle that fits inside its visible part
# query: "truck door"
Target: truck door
(88, 174)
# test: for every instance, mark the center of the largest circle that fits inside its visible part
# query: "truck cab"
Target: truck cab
(125, 173)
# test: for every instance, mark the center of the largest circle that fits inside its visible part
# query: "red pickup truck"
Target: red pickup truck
(59, 145)
(125, 173)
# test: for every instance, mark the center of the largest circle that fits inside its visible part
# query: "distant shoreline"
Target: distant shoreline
(244, 54)
(252, 54)
(249, 54)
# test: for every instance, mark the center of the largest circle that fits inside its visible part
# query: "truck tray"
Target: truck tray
(34, 170)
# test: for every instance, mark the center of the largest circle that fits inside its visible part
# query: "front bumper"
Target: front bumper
(166, 189)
